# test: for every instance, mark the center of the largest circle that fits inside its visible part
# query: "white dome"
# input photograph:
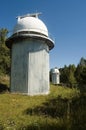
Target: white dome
(30, 24)
(55, 70)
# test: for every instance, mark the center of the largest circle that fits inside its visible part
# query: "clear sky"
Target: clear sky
(65, 20)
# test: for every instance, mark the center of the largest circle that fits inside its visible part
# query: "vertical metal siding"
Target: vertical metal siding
(30, 67)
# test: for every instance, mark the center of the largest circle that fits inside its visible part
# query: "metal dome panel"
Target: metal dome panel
(30, 24)
(55, 70)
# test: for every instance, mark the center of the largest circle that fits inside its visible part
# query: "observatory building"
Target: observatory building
(30, 44)
(55, 76)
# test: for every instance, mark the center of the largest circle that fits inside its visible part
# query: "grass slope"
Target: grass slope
(63, 109)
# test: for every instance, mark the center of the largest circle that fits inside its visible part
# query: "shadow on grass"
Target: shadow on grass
(54, 108)
(73, 113)
(39, 126)
(3, 88)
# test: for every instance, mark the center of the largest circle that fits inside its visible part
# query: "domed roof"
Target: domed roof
(55, 70)
(30, 23)
(30, 26)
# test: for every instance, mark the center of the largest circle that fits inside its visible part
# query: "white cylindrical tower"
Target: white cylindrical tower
(30, 45)
(55, 76)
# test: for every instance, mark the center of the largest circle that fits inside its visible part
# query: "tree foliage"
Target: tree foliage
(68, 75)
(64, 74)
(4, 53)
(81, 71)
(72, 75)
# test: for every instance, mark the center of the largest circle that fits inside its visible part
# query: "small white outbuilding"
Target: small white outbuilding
(30, 44)
(55, 76)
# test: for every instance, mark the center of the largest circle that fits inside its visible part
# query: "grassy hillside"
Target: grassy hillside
(63, 109)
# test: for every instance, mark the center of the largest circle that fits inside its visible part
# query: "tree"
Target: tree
(83, 76)
(71, 75)
(80, 71)
(4, 53)
(64, 74)
(3, 35)
(82, 62)
(68, 75)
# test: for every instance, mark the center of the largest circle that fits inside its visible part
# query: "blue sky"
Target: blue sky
(65, 20)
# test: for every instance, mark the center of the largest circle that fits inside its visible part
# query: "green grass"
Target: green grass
(62, 109)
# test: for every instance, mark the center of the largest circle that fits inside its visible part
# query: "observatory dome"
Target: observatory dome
(55, 70)
(30, 24)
